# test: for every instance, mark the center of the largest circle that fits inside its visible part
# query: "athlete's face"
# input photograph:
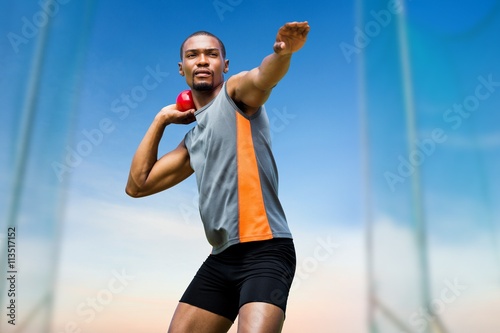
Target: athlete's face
(202, 63)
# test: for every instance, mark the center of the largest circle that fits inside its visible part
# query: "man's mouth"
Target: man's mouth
(202, 73)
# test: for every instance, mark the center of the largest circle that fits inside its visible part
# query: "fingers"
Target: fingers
(183, 117)
(291, 37)
(170, 115)
(189, 116)
(300, 28)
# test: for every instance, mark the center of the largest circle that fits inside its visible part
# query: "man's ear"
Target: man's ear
(226, 66)
(181, 71)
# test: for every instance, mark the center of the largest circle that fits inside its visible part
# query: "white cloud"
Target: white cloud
(150, 239)
(469, 265)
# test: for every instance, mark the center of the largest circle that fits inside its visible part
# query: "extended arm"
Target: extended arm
(251, 89)
(148, 174)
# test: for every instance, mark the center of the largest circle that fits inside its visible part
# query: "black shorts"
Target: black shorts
(259, 271)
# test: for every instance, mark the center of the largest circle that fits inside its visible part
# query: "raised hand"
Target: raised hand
(170, 115)
(291, 37)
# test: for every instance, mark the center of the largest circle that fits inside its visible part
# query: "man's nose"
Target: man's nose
(202, 60)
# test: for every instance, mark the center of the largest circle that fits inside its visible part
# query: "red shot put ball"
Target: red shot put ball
(185, 101)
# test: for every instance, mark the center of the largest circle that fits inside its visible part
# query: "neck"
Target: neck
(202, 98)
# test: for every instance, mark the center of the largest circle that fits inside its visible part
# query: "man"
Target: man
(251, 267)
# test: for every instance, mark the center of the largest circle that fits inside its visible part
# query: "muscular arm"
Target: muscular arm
(252, 89)
(148, 174)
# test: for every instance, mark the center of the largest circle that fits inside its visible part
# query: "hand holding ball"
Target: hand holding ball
(185, 101)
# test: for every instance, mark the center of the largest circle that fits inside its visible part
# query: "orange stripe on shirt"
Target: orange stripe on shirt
(253, 223)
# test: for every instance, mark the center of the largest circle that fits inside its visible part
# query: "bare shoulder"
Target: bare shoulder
(181, 148)
(233, 83)
(243, 92)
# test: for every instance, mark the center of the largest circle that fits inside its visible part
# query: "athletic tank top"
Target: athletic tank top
(236, 174)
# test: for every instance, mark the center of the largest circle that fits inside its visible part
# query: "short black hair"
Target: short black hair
(205, 33)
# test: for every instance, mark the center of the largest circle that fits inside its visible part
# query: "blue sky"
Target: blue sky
(329, 110)
(109, 66)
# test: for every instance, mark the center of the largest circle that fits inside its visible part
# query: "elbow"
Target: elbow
(133, 192)
(133, 189)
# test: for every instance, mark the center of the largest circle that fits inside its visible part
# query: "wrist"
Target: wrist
(282, 53)
(282, 57)
(161, 121)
